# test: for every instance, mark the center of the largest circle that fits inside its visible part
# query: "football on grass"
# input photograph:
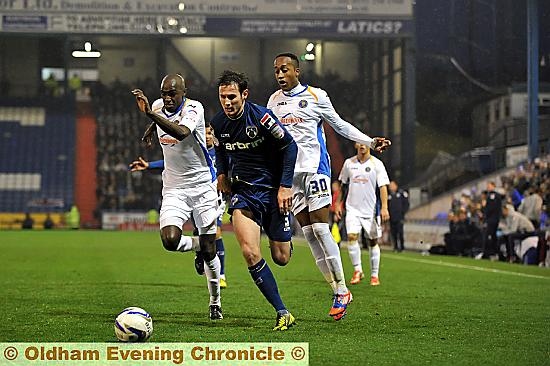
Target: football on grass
(133, 324)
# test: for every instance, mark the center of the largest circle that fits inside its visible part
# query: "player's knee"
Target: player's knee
(352, 237)
(281, 258)
(170, 237)
(373, 242)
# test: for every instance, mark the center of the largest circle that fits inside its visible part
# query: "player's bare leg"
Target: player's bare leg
(247, 232)
(280, 252)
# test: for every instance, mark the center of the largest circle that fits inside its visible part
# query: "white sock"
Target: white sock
(212, 272)
(319, 256)
(354, 251)
(188, 243)
(332, 255)
(374, 260)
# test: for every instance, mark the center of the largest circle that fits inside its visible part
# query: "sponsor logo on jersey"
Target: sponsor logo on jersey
(243, 145)
(251, 131)
(276, 130)
(225, 135)
(281, 103)
(302, 103)
(167, 140)
(291, 120)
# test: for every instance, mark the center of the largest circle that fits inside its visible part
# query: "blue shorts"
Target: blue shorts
(262, 202)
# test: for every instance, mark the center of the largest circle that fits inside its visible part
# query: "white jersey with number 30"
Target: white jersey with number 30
(302, 111)
(187, 162)
(362, 179)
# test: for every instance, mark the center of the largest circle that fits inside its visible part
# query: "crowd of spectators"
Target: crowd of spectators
(522, 207)
(120, 127)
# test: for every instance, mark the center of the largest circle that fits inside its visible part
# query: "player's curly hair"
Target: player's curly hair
(229, 77)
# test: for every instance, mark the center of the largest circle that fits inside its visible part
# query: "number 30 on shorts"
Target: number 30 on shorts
(318, 186)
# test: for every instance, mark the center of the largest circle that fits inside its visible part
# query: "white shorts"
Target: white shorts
(311, 191)
(371, 225)
(179, 203)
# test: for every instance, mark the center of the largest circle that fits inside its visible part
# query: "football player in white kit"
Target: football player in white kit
(302, 110)
(141, 164)
(188, 178)
(365, 180)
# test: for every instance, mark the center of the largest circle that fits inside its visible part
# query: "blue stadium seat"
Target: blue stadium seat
(32, 139)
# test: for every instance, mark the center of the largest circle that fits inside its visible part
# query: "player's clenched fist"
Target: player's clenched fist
(141, 100)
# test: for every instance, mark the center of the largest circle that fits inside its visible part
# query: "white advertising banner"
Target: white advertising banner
(116, 220)
(237, 8)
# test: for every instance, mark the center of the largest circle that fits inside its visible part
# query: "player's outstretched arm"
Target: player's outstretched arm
(177, 131)
(379, 144)
(139, 164)
(346, 129)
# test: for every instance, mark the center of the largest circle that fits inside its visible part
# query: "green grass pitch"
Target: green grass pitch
(68, 286)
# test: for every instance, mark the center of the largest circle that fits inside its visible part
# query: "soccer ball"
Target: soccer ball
(133, 324)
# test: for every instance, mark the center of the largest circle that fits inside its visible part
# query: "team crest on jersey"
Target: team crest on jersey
(367, 169)
(251, 131)
(234, 200)
(302, 103)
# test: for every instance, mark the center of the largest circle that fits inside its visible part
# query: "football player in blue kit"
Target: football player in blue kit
(261, 155)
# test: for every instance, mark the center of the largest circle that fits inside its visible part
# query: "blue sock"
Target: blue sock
(221, 254)
(263, 277)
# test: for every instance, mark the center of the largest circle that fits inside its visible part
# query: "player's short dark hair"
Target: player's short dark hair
(292, 56)
(229, 77)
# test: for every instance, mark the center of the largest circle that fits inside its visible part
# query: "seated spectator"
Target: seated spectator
(48, 222)
(462, 235)
(28, 222)
(515, 227)
(531, 206)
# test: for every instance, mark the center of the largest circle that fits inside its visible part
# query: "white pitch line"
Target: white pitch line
(476, 268)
